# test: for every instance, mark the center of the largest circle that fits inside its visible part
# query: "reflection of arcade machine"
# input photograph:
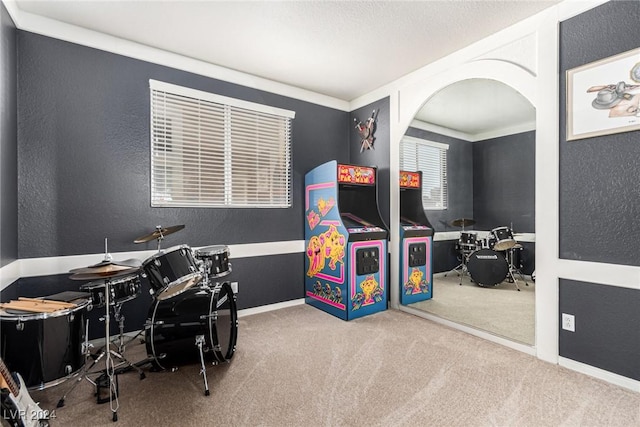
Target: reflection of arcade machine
(416, 240)
(346, 241)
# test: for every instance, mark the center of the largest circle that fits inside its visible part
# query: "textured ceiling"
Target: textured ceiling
(343, 49)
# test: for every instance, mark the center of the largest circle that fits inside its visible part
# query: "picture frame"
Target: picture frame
(603, 97)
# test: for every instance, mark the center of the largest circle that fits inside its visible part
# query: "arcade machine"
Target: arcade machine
(346, 241)
(416, 242)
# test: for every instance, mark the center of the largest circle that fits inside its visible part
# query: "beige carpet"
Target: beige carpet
(302, 367)
(500, 310)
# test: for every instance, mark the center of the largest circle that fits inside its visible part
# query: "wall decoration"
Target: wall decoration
(603, 97)
(366, 131)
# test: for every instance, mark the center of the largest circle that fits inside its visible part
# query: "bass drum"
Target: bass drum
(175, 323)
(487, 267)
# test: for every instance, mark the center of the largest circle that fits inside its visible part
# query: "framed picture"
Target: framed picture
(603, 96)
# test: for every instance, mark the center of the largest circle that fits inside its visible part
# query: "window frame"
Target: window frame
(442, 151)
(226, 110)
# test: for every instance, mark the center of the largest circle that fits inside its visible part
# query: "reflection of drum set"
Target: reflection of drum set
(491, 260)
(192, 318)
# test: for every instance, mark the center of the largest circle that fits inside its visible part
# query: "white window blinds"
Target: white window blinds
(212, 151)
(430, 158)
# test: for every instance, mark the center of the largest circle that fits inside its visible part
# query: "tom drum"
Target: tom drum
(171, 272)
(503, 238)
(215, 259)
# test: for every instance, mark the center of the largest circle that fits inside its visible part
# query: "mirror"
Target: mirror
(483, 253)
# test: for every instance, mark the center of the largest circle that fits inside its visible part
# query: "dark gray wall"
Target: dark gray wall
(599, 196)
(84, 155)
(607, 323)
(379, 156)
(83, 162)
(504, 179)
(8, 141)
(600, 204)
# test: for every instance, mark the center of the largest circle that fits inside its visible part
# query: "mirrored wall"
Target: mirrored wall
(484, 243)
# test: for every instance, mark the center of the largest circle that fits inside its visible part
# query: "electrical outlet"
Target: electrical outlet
(234, 287)
(568, 322)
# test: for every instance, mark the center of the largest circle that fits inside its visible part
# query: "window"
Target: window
(430, 158)
(212, 151)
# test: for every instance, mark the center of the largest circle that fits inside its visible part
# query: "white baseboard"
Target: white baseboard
(601, 374)
(269, 307)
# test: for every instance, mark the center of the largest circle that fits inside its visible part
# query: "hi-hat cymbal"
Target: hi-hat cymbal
(94, 276)
(101, 269)
(131, 262)
(159, 232)
(462, 222)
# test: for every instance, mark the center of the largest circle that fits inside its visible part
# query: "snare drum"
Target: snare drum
(44, 348)
(171, 272)
(487, 267)
(173, 326)
(216, 260)
(121, 289)
(503, 238)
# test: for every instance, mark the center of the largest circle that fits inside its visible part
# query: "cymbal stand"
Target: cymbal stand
(121, 343)
(160, 237)
(114, 404)
(461, 269)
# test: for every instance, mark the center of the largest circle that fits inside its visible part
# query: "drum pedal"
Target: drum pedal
(103, 388)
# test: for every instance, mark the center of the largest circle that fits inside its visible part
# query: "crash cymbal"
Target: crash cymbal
(101, 269)
(160, 232)
(462, 222)
(95, 276)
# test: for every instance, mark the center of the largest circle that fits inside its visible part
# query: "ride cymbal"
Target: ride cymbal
(159, 233)
(462, 222)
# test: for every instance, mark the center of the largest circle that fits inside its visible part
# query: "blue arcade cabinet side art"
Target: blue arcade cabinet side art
(416, 242)
(346, 241)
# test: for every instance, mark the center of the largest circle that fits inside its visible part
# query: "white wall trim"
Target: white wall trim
(624, 276)
(570, 8)
(269, 307)
(600, 374)
(62, 31)
(33, 267)
(496, 133)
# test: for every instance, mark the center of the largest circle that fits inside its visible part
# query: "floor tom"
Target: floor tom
(44, 348)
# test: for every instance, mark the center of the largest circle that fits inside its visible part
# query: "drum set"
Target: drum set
(491, 260)
(192, 318)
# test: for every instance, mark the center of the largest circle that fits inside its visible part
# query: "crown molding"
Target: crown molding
(36, 24)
